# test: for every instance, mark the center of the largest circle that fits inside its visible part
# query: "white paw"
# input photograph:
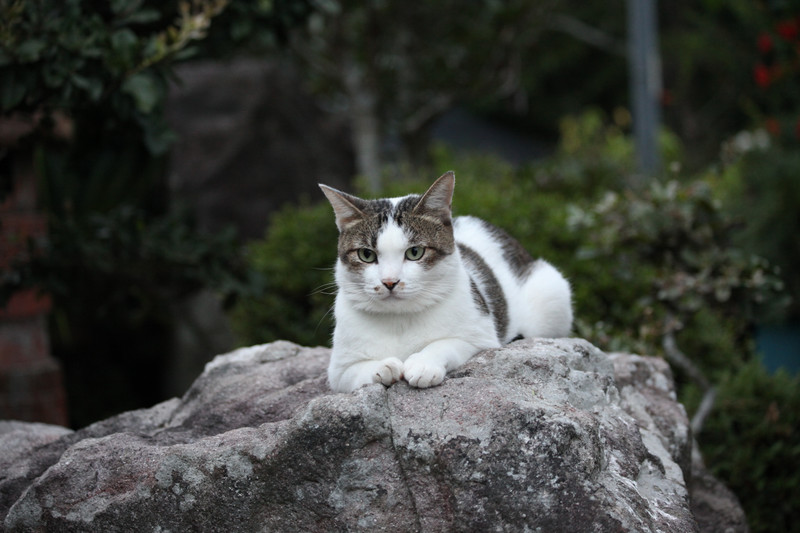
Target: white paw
(388, 371)
(423, 375)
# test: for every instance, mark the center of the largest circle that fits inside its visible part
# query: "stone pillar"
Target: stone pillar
(31, 380)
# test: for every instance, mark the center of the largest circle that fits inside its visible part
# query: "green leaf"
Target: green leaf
(124, 42)
(145, 16)
(93, 86)
(30, 50)
(145, 90)
(12, 92)
(158, 136)
(125, 6)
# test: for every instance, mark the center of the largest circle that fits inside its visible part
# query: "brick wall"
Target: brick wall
(31, 381)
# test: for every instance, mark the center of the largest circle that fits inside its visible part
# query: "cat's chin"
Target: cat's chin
(392, 305)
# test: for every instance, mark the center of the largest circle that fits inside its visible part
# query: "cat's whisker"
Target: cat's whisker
(326, 288)
(321, 320)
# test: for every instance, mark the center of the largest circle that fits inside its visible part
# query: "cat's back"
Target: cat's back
(496, 248)
(526, 297)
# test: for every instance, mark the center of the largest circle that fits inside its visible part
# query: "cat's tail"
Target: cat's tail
(549, 302)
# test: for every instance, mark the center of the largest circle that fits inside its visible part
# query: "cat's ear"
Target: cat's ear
(345, 206)
(439, 197)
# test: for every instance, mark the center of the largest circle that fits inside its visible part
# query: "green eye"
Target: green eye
(367, 255)
(415, 253)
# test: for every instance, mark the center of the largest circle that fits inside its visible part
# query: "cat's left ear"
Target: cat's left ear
(439, 197)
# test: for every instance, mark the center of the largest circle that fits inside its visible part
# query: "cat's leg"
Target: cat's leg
(346, 378)
(428, 367)
(545, 303)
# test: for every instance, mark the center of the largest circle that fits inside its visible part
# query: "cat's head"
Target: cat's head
(396, 255)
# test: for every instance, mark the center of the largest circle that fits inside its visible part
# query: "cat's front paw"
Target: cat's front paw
(423, 375)
(388, 371)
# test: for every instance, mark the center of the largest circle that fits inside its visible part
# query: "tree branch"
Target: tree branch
(587, 34)
(675, 356)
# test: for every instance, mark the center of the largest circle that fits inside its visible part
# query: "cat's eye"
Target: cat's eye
(367, 255)
(415, 253)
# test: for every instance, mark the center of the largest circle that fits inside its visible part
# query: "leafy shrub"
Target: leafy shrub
(295, 264)
(114, 279)
(764, 196)
(75, 56)
(119, 255)
(673, 242)
(752, 442)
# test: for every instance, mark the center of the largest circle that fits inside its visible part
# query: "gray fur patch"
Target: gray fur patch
(404, 207)
(491, 289)
(364, 232)
(478, 298)
(421, 228)
(515, 255)
(433, 233)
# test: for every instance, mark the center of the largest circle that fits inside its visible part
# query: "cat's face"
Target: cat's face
(395, 255)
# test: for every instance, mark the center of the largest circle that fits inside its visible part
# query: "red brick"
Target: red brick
(35, 394)
(25, 304)
(15, 230)
(23, 342)
(23, 196)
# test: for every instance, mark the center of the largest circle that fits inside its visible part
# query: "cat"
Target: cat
(420, 292)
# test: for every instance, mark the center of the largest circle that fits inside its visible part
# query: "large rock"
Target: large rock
(250, 139)
(546, 435)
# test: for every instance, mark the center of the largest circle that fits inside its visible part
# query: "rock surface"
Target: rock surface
(544, 435)
(250, 139)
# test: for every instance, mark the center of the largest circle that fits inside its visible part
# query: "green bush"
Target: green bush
(752, 443)
(673, 241)
(119, 254)
(114, 279)
(764, 196)
(295, 263)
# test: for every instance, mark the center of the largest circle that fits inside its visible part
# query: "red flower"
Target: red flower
(788, 29)
(764, 43)
(762, 75)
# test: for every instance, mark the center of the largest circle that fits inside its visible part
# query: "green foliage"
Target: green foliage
(255, 26)
(674, 242)
(73, 56)
(752, 442)
(114, 279)
(118, 255)
(295, 263)
(128, 264)
(399, 65)
(707, 50)
(128, 259)
(765, 197)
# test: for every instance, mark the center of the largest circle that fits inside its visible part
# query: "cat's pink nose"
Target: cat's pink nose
(390, 283)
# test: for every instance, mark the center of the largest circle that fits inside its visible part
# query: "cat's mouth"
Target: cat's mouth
(391, 295)
(394, 291)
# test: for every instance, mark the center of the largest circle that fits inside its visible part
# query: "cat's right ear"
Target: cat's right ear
(345, 207)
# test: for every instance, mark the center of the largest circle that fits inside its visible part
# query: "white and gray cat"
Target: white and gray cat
(420, 292)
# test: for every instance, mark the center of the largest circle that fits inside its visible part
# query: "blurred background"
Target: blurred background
(159, 164)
